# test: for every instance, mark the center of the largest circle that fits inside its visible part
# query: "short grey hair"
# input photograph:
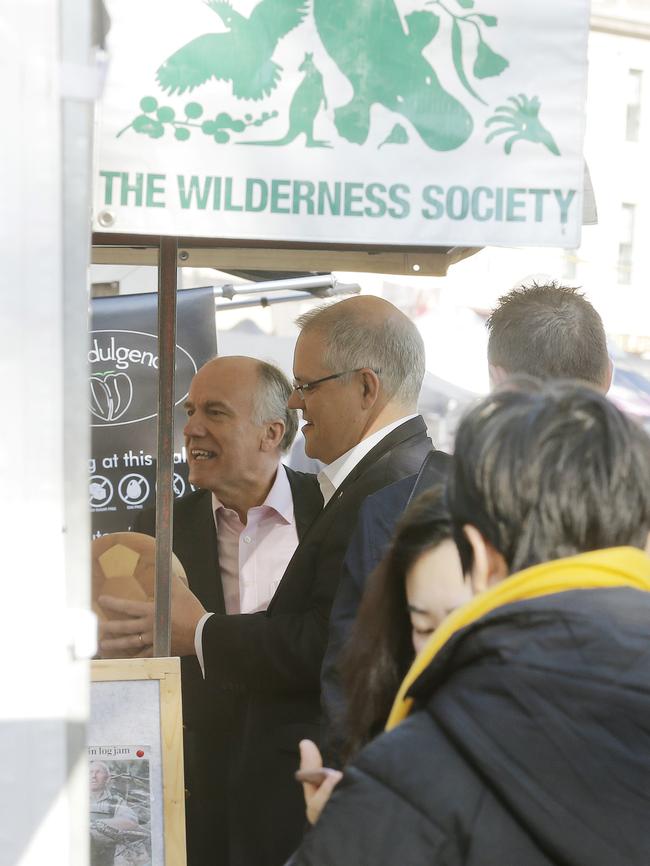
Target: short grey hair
(392, 346)
(270, 402)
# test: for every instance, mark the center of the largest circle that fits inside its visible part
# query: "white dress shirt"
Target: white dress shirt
(334, 474)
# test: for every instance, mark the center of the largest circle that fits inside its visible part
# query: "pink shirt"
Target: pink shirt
(254, 556)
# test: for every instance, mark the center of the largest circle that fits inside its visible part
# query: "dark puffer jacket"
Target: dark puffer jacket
(530, 746)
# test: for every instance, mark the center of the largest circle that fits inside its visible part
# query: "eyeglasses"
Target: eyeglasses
(306, 387)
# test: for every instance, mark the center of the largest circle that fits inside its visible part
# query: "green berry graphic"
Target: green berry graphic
(221, 137)
(193, 110)
(208, 126)
(148, 103)
(166, 114)
(181, 133)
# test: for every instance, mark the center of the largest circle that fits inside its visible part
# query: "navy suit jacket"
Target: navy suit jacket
(378, 517)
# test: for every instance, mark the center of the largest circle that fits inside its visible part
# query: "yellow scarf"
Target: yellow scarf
(601, 569)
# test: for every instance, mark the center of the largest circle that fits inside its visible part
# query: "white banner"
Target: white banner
(416, 122)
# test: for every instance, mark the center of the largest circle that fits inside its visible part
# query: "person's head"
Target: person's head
(238, 424)
(418, 582)
(549, 331)
(434, 584)
(545, 471)
(381, 353)
(99, 776)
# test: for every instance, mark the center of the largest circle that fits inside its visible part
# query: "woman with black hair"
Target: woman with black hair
(418, 582)
(415, 586)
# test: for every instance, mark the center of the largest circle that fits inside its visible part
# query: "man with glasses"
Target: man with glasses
(358, 369)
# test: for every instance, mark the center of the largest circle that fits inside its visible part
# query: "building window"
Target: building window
(626, 244)
(633, 118)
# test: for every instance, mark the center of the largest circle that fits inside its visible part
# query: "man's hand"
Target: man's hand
(316, 794)
(132, 636)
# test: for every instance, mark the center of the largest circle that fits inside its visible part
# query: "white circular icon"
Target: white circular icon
(133, 489)
(179, 485)
(100, 490)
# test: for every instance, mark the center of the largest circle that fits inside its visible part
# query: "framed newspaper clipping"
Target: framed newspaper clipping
(135, 759)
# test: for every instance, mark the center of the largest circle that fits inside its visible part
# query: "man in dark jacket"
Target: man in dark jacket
(547, 331)
(235, 536)
(521, 735)
(358, 369)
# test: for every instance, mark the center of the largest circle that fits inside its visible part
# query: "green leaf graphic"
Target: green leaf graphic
(466, 4)
(457, 57)
(398, 135)
(489, 20)
(488, 63)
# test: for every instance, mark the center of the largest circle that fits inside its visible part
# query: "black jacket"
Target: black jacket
(276, 658)
(530, 747)
(214, 712)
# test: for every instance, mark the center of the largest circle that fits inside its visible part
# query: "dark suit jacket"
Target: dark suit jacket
(214, 712)
(369, 542)
(276, 657)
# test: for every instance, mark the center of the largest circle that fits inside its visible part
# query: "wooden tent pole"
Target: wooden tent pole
(167, 279)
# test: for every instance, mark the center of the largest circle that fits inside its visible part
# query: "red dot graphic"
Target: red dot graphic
(140, 753)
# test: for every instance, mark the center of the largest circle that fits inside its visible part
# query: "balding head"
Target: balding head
(366, 331)
(265, 384)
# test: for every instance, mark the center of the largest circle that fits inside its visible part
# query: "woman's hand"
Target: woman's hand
(318, 791)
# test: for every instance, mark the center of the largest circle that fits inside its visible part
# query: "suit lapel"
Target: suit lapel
(412, 429)
(205, 555)
(307, 499)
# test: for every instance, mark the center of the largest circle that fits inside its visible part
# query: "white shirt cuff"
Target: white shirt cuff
(198, 640)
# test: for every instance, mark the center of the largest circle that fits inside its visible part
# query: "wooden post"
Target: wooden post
(167, 277)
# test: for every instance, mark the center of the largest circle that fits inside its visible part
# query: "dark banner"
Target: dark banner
(123, 357)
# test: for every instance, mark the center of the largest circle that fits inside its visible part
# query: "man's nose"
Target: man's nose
(193, 427)
(295, 401)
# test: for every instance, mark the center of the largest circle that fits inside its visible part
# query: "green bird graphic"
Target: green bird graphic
(243, 55)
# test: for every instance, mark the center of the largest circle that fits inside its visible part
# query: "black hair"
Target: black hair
(550, 472)
(380, 648)
(549, 331)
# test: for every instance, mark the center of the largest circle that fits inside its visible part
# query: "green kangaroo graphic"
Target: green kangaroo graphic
(305, 105)
(385, 65)
(243, 55)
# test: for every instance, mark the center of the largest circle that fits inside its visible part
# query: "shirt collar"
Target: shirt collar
(334, 474)
(279, 497)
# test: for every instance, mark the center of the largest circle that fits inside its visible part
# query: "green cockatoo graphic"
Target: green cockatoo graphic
(242, 55)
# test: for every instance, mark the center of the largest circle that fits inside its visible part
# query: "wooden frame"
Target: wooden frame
(223, 254)
(168, 672)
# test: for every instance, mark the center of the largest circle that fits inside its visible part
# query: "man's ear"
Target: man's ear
(370, 385)
(497, 376)
(488, 565)
(273, 433)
